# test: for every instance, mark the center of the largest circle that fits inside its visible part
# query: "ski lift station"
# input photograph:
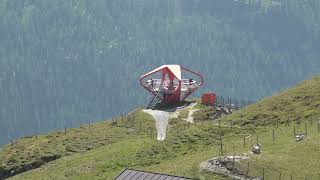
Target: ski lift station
(170, 84)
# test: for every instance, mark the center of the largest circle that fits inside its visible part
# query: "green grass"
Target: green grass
(300, 102)
(34, 151)
(299, 159)
(104, 150)
(184, 152)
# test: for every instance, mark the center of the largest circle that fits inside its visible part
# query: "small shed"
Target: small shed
(130, 174)
(209, 98)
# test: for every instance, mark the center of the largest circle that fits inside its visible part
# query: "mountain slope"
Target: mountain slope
(299, 103)
(66, 63)
(105, 150)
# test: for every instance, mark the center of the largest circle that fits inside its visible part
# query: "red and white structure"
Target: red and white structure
(171, 83)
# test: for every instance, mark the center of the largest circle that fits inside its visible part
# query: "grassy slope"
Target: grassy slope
(186, 148)
(301, 102)
(32, 152)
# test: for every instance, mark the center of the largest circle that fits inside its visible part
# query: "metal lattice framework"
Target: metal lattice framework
(167, 85)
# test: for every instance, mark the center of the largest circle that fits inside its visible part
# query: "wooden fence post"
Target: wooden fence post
(262, 173)
(248, 168)
(273, 137)
(244, 142)
(279, 175)
(294, 130)
(306, 128)
(221, 148)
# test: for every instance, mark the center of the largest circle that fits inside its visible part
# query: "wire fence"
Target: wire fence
(271, 134)
(232, 102)
(296, 130)
(293, 131)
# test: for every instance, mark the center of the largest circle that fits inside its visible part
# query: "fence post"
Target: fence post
(221, 148)
(273, 137)
(306, 127)
(232, 154)
(248, 168)
(122, 117)
(294, 130)
(279, 175)
(291, 177)
(262, 173)
(244, 142)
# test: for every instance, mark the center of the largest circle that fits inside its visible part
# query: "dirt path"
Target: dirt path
(190, 115)
(162, 119)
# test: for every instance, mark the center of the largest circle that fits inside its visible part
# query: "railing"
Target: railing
(232, 102)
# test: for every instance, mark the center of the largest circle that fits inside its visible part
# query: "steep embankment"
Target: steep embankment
(301, 102)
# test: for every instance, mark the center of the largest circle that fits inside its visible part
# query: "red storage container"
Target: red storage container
(209, 98)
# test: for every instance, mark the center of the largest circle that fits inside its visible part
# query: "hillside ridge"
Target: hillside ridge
(104, 149)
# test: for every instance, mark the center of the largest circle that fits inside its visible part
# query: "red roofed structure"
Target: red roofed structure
(171, 83)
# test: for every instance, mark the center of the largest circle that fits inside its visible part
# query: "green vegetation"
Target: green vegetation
(115, 147)
(299, 103)
(32, 152)
(66, 63)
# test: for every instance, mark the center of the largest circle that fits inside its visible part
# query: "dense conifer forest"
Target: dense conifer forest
(65, 63)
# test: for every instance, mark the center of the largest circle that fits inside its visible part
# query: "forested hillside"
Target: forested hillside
(64, 63)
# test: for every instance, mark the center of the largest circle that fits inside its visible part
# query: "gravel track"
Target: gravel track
(162, 119)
